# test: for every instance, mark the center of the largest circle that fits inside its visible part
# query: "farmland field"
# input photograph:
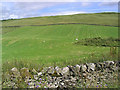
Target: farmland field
(49, 44)
(55, 44)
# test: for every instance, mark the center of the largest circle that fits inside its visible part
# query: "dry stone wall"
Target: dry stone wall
(89, 75)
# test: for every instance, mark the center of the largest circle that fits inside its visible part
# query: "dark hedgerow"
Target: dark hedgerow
(98, 41)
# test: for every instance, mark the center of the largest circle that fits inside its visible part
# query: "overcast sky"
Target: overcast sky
(17, 10)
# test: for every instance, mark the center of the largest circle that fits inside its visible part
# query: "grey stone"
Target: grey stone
(65, 71)
(58, 70)
(40, 74)
(53, 86)
(73, 79)
(45, 70)
(62, 83)
(83, 68)
(51, 70)
(99, 66)
(15, 72)
(77, 68)
(108, 63)
(72, 70)
(36, 77)
(91, 67)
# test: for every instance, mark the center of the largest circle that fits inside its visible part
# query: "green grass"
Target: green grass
(99, 18)
(53, 44)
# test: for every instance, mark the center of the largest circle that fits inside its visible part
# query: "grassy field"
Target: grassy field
(97, 18)
(55, 44)
(50, 44)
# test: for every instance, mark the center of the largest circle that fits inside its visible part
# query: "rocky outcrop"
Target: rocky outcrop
(89, 75)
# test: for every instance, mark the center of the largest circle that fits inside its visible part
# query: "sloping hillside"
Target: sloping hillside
(56, 43)
(97, 18)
